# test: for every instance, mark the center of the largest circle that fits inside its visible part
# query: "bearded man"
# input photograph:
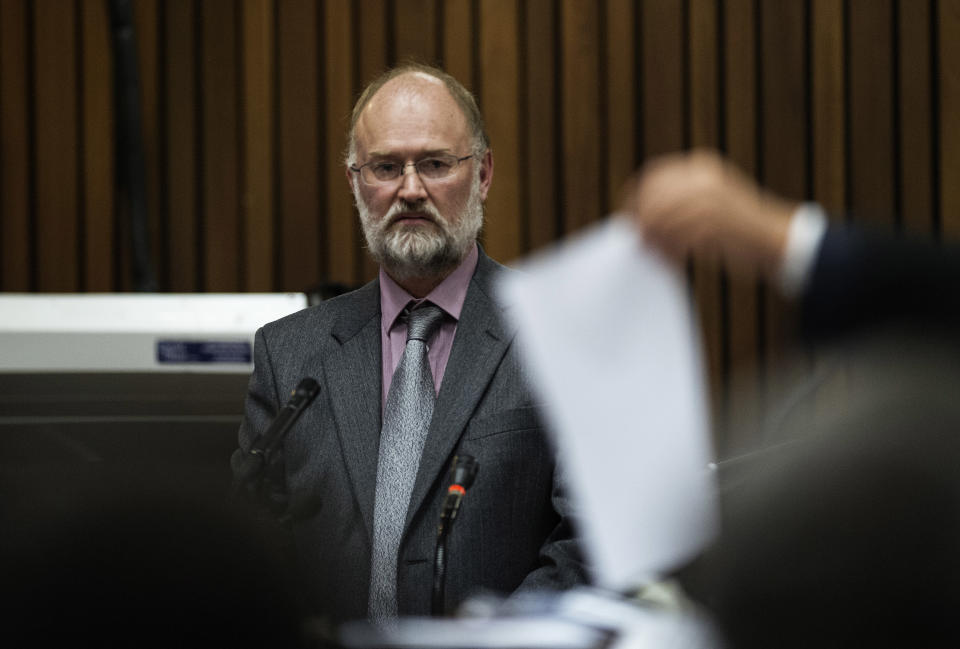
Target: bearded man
(362, 475)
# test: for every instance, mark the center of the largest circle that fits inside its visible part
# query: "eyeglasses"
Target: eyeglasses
(435, 167)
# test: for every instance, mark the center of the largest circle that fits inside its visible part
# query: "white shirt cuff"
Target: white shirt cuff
(807, 227)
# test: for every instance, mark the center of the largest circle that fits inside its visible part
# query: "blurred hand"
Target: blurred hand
(699, 203)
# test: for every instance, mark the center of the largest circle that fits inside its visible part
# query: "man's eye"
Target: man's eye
(433, 165)
(385, 169)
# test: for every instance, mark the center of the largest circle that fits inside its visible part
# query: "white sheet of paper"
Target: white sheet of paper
(608, 331)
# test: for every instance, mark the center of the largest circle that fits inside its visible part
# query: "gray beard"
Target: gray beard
(422, 251)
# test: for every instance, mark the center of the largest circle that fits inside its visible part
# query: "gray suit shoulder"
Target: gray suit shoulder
(487, 273)
(363, 302)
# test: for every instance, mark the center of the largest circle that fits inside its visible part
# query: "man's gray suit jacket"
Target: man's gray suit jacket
(513, 530)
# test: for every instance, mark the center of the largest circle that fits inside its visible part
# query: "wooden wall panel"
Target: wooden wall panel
(56, 136)
(784, 98)
(300, 241)
(500, 86)
(740, 83)
(621, 81)
(828, 105)
(871, 111)
(541, 128)
(582, 186)
(258, 145)
(740, 136)
(221, 163)
(915, 109)
(373, 42)
(16, 241)
(459, 36)
(784, 166)
(662, 70)
(342, 247)
(829, 153)
(98, 211)
(146, 23)
(948, 38)
(703, 56)
(182, 170)
(415, 30)
(373, 56)
(784, 134)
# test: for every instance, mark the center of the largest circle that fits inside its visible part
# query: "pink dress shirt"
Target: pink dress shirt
(448, 295)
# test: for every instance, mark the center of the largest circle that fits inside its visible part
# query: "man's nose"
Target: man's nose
(411, 185)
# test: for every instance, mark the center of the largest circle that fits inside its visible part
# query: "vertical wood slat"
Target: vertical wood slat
(621, 83)
(371, 47)
(342, 245)
(458, 36)
(499, 80)
(146, 25)
(740, 83)
(183, 168)
(739, 130)
(704, 132)
(916, 150)
(704, 84)
(221, 227)
(258, 145)
(540, 129)
(299, 150)
(784, 103)
(98, 146)
(16, 246)
(949, 111)
(373, 56)
(415, 31)
(56, 138)
(871, 111)
(582, 185)
(662, 72)
(829, 157)
(784, 134)
(829, 128)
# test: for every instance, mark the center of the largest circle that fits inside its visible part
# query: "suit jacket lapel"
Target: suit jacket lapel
(352, 367)
(478, 347)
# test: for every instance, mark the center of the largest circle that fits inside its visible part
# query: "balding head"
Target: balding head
(417, 77)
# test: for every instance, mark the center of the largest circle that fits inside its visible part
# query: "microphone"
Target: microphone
(463, 472)
(263, 445)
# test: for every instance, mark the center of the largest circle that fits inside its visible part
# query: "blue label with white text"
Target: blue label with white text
(204, 351)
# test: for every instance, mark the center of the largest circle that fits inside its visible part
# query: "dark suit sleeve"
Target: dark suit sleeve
(864, 278)
(561, 560)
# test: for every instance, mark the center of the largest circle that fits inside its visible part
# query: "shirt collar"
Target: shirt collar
(449, 294)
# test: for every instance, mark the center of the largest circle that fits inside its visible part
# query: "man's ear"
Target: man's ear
(486, 173)
(349, 174)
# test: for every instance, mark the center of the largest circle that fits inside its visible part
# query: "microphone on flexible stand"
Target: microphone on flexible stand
(258, 457)
(463, 471)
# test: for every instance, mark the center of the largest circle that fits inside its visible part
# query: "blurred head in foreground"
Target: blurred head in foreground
(850, 539)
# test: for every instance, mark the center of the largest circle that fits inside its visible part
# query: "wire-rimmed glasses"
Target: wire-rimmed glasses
(434, 167)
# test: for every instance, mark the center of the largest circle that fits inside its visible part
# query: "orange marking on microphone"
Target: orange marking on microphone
(455, 488)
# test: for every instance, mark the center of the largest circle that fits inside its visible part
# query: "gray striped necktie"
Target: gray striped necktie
(405, 423)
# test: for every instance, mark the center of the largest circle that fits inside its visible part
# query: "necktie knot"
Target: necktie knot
(422, 322)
